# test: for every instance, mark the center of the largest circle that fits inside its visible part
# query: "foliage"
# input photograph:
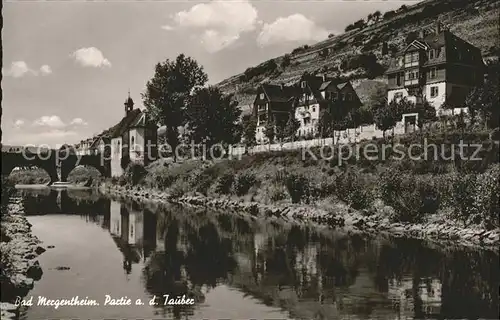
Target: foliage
(291, 127)
(269, 131)
(286, 61)
(366, 61)
(168, 91)
(249, 125)
(298, 187)
(410, 196)
(212, 117)
(134, 173)
(264, 68)
(243, 183)
(224, 183)
(484, 100)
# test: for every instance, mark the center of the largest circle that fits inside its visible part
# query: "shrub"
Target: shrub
(411, 196)
(486, 208)
(297, 187)
(134, 173)
(353, 190)
(224, 183)
(243, 183)
(277, 193)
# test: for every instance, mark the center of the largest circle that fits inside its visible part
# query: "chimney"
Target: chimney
(324, 77)
(421, 34)
(438, 27)
(282, 85)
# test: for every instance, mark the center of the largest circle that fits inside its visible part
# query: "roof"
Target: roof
(277, 93)
(341, 86)
(434, 41)
(125, 123)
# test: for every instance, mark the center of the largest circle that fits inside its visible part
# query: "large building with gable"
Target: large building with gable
(439, 67)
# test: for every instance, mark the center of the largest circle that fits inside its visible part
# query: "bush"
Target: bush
(134, 173)
(277, 193)
(224, 183)
(409, 195)
(486, 207)
(352, 189)
(243, 183)
(297, 187)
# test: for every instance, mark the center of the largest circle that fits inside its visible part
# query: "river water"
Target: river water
(236, 267)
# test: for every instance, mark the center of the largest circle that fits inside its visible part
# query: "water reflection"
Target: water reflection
(308, 273)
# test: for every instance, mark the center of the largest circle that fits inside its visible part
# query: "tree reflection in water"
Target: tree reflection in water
(308, 272)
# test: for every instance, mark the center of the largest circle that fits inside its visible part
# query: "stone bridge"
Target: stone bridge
(51, 161)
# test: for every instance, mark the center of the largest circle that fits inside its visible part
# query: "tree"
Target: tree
(291, 127)
(269, 132)
(168, 91)
(249, 126)
(484, 100)
(213, 117)
(325, 123)
(385, 116)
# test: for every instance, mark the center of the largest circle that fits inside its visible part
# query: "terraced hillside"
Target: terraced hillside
(358, 54)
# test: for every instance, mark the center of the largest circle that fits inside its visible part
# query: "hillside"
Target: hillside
(357, 54)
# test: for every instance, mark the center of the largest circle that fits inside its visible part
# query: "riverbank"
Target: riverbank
(340, 216)
(19, 251)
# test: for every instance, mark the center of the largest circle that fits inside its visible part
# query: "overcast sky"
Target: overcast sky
(67, 67)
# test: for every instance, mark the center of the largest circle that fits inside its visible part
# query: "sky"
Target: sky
(68, 65)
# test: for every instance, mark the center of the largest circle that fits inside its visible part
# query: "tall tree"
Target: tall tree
(168, 91)
(269, 132)
(484, 100)
(291, 127)
(212, 117)
(249, 127)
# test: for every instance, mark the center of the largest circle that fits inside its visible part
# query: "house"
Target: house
(439, 67)
(272, 103)
(133, 139)
(303, 100)
(314, 93)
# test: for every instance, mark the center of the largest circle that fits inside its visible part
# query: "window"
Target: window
(343, 97)
(398, 79)
(432, 73)
(431, 54)
(335, 96)
(349, 96)
(434, 92)
(262, 96)
(132, 141)
(398, 95)
(412, 75)
(313, 109)
(412, 58)
(303, 84)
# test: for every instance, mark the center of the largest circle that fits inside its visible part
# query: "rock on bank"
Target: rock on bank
(19, 249)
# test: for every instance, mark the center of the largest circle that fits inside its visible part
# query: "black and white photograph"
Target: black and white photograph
(250, 160)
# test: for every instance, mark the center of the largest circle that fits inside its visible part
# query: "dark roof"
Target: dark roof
(125, 123)
(435, 41)
(277, 93)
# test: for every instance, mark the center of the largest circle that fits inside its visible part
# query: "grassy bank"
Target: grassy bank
(411, 191)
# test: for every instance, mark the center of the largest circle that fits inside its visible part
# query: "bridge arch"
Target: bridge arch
(73, 161)
(45, 162)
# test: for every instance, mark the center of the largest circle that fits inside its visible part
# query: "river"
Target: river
(238, 267)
